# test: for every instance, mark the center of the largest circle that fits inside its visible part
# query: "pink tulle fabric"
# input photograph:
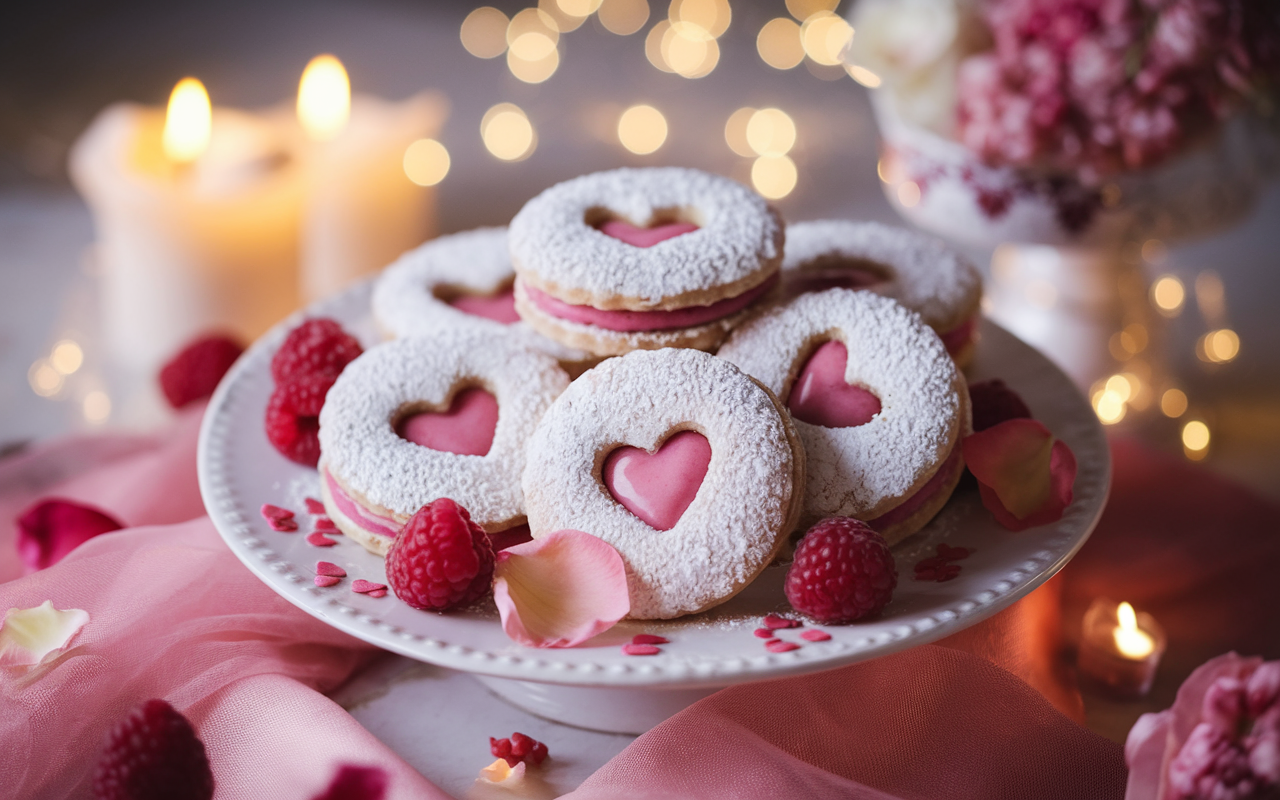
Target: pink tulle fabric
(988, 713)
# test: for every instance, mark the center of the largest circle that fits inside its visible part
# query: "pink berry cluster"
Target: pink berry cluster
(1100, 86)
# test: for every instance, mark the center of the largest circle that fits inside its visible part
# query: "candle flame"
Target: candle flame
(1126, 617)
(188, 121)
(324, 98)
(1131, 641)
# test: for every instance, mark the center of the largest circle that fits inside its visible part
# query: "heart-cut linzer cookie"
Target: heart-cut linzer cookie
(658, 487)
(645, 237)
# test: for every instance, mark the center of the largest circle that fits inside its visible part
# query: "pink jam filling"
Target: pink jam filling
(511, 537)
(466, 428)
(645, 237)
(658, 487)
(373, 523)
(959, 336)
(918, 500)
(820, 395)
(499, 307)
(835, 277)
(628, 321)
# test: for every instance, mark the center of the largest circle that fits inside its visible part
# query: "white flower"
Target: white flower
(27, 635)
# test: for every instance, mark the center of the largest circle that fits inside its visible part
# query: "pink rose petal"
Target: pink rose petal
(361, 586)
(283, 525)
(1024, 475)
(274, 513)
(815, 636)
(774, 622)
(560, 590)
(329, 568)
(314, 506)
(326, 524)
(376, 593)
(320, 540)
(649, 638)
(780, 646)
(326, 580)
(640, 650)
(51, 528)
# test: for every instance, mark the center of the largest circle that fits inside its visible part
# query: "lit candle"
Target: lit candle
(362, 209)
(1119, 648)
(196, 210)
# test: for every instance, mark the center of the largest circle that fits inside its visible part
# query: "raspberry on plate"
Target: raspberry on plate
(843, 571)
(194, 372)
(293, 417)
(153, 754)
(993, 402)
(440, 559)
(316, 347)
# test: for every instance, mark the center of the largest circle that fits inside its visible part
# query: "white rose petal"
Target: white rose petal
(28, 635)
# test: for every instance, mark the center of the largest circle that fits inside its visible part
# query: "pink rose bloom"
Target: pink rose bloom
(1219, 741)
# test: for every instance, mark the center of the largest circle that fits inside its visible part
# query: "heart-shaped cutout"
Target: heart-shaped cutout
(820, 395)
(645, 237)
(842, 276)
(658, 487)
(499, 307)
(467, 428)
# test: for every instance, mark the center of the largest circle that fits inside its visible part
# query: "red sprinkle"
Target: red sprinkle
(815, 636)
(283, 525)
(361, 586)
(948, 553)
(318, 539)
(779, 646)
(763, 633)
(376, 593)
(270, 512)
(326, 580)
(314, 506)
(325, 524)
(640, 650)
(649, 638)
(331, 569)
(774, 622)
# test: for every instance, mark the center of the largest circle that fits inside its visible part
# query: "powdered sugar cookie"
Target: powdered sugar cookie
(879, 404)
(643, 258)
(685, 465)
(442, 415)
(457, 281)
(918, 271)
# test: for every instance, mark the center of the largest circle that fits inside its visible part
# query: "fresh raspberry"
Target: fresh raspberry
(843, 571)
(993, 403)
(194, 372)
(518, 748)
(316, 347)
(153, 754)
(440, 559)
(293, 417)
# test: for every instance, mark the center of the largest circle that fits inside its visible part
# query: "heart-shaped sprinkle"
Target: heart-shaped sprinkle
(325, 524)
(326, 580)
(329, 568)
(815, 636)
(775, 622)
(658, 487)
(318, 539)
(499, 307)
(779, 646)
(820, 395)
(640, 650)
(645, 237)
(763, 633)
(361, 586)
(314, 506)
(283, 525)
(275, 513)
(376, 593)
(466, 428)
(648, 638)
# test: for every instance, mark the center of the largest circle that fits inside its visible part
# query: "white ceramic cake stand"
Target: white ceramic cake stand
(595, 685)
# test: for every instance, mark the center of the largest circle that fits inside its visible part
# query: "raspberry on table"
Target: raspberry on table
(440, 559)
(194, 372)
(518, 748)
(993, 402)
(316, 347)
(293, 417)
(153, 754)
(843, 571)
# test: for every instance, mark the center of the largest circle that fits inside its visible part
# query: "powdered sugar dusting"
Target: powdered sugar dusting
(928, 277)
(865, 470)
(738, 243)
(742, 511)
(395, 477)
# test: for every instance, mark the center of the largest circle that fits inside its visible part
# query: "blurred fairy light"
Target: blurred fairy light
(66, 357)
(623, 17)
(825, 36)
(484, 32)
(1173, 403)
(653, 46)
(564, 21)
(578, 8)
(532, 37)
(770, 132)
(533, 71)
(507, 132)
(1195, 439)
(779, 43)
(426, 162)
(1129, 342)
(774, 176)
(681, 47)
(1154, 251)
(642, 129)
(1168, 294)
(1218, 347)
(713, 16)
(863, 76)
(96, 406)
(1108, 404)
(44, 379)
(735, 132)
(1211, 296)
(909, 194)
(803, 9)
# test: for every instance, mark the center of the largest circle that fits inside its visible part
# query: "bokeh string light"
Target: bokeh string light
(484, 32)
(642, 129)
(426, 162)
(779, 43)
(623, 17)
(507, 132)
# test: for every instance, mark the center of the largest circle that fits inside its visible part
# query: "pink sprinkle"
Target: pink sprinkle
(326, 580)
(271, 512)
(815, 636)
(314, 506)
(286, 525)
(331, 569)
(640, 650)
(648, 638)
(377, 593)
(774, 622)
(772, 641)
(325, 524)
(361, 586)
(763, 633)
(781, 647)
(318, 539)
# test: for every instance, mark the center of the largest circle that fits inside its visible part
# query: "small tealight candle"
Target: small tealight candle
(1120, 648)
